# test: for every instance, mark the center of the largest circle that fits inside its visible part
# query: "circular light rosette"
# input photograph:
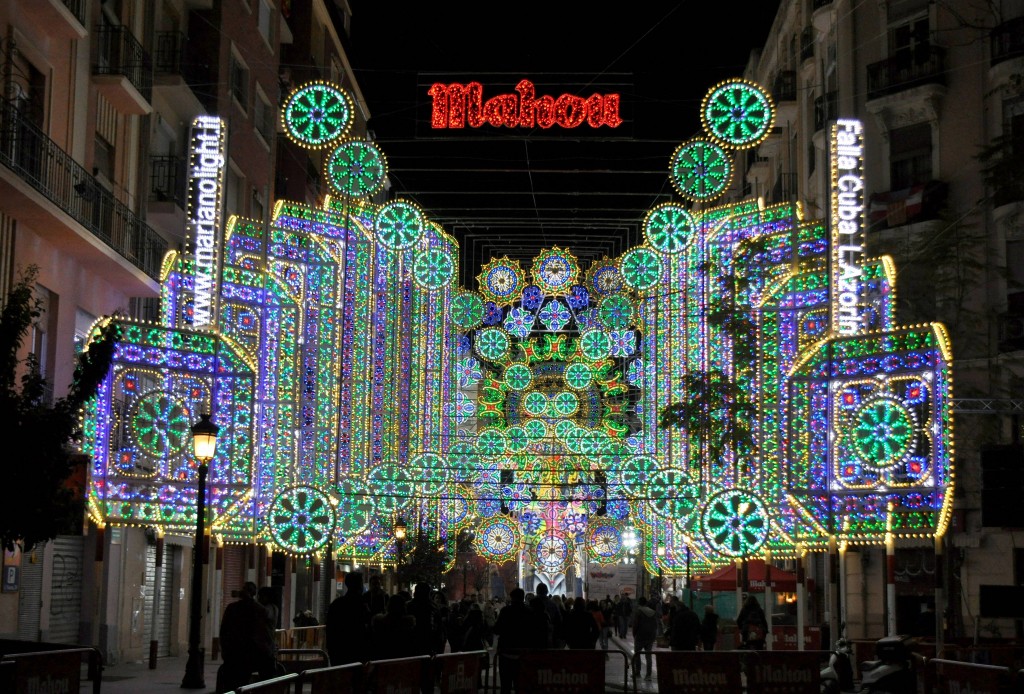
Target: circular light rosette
(430, 472)
(735, 523)
(536, 429)
(700, 170)
(501, 281)
(456, 508)
(604, 278)
(492, 442)
(641, 269)
(160, 425)
(634, 473)
(399, 225)
(670, 495)
(464, 461)
(882, 433)
(564, 404)
(737, 114)
(604, 543)
(517, 438)
(595, 344)
(393, 486)
(578, 375)
(616, 312)
(498, 539)
(491, 343)
(555, 271)
(356, 169)
(355, 510)
(467, 310)
(552, 552)
(668, 228)
(301, 519)
(433, 269)
(518, 376)
(317, 114)
(535, 403)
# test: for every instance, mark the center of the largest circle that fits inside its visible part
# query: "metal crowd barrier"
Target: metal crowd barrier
(58, 669)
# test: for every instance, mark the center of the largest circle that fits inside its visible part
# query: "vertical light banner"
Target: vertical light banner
(205, 204)
(848, 224)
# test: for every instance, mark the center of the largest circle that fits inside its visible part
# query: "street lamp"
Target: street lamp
(204, 443)
(400, 531)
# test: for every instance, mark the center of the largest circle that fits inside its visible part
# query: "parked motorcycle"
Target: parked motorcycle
(894, 671)
(837, 675)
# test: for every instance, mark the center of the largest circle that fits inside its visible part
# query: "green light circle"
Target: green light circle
(356, 508)
(536, 429)
(565, 404)
(317, 114)
(595, 344)
(467, 310)
(701, 170)
(737, 114)
(641, 269)
(492, 442)
(735, 523)
(433, 269)
(668, 228)
(301, 519)
(578, 375)
(883, 432)
(430, 471)
(615, 312)
(518, 439)
(535, 403)
(518, 376)
(491, 343)
(399, 225)
(564, 428)
(160, 425)
(357, 169)
(393, 485)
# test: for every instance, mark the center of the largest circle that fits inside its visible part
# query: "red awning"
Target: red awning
(725, 579)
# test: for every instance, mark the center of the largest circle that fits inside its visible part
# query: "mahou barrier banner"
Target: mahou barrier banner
(400, 676)
(770, 672)
(785, 638)
(700, 672)
(562, 672)
(953, 677)
(39, 673)
(460, 672)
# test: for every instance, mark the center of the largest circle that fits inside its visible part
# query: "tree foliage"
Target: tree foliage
(423, 560)
(40, 504)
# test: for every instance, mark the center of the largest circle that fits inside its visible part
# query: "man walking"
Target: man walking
(645, 630)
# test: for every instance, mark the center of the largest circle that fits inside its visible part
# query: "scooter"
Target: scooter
(837, 676)
(895, 669)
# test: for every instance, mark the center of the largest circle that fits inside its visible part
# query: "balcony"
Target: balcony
(167, 194)
(896, 208)
(176, 72)
(123, 72)
(907, 69)
(807, 43)
(64, 18)
(50, 171)
(826, 110)
(784, 94)
(1007, 40)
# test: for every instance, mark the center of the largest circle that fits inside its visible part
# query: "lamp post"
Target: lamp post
(661, 561)
(204, 443)
(400, 531)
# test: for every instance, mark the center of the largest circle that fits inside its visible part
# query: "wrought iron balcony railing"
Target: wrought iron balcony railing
(28, 152)
(826, 108)
(120, 53)
(906, 69)
(807, 43)
(76, 8)
(173, 57)
(167, 180)
(784, 86)
(1007, 40)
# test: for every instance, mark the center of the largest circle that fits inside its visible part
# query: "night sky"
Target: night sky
(502, 190)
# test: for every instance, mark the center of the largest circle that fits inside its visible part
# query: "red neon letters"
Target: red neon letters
(456, 106)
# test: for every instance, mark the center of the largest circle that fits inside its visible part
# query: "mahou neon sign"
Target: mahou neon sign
(460, 105)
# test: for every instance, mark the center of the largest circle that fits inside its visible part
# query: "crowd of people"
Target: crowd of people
(366, 623)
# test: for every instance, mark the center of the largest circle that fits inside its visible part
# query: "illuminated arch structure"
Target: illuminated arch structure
(354, 382)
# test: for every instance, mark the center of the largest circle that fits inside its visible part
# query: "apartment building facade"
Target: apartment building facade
(937, 85)
(99, 96)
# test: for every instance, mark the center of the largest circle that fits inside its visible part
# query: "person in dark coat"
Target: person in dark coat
(473, 637)
(752, 625)
(709, 628)
(554, 612)
(348, 624)
(684, 630)
(427, 632)
(516, 630)
(391, 633)
(580, 628)
(245, 642)
(376, 598)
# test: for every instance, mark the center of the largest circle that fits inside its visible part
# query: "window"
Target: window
(256, 209)
(103, 160)
(234, 187)
(910, 156)
(43, 348)
(263, 116)
(83, 321)
(264, 14)
(239, 75)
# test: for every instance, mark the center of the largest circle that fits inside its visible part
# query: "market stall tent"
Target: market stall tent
(724, 579)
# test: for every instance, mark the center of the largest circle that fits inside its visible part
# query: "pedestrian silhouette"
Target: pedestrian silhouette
(245, 642)
(348, 624)
(581, 630)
